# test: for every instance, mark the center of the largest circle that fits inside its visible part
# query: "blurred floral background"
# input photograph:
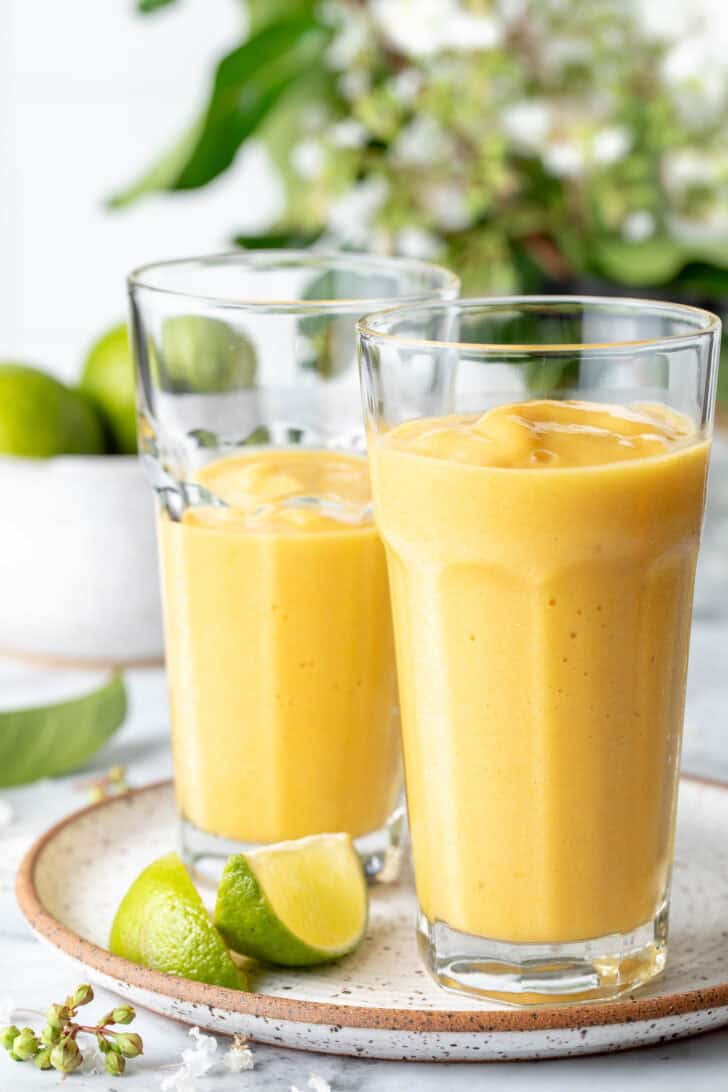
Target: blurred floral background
(532, 145)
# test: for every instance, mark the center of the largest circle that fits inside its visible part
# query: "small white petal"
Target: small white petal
(406, 85)
(348, 134)
(448, 207)
(421, 143)
(414, 242)
(688, 167)
(348, 43)
(610, 144)
(239, 1060)
(351, 215)
(527, 124)
(638, 226)
(563, 159)
(422, 28)
(353, 84)
(307, 159)
(318, 1084)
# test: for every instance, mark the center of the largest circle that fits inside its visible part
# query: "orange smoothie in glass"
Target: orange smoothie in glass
(541, 560)
(279, 650)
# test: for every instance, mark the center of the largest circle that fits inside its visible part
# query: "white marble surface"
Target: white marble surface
(33, 977)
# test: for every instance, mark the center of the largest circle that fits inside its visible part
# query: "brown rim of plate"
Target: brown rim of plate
(626, 1010)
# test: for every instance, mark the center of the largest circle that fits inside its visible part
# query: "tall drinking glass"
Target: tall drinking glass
(277, 619)
(539, 468)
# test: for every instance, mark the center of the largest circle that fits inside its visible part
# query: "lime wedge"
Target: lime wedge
(296, 903)
(162, 923)
(53, 738)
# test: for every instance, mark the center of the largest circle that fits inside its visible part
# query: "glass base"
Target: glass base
(381, 851)
(544, 974)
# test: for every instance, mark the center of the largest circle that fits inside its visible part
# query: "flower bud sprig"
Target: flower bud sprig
(112, 783)
(57, 1048)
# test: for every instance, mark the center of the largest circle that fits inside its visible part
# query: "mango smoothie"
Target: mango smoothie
(279, 650)
(541, 560)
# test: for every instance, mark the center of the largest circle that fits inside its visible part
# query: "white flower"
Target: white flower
(687, 167)
(240, 1057)
(465, 32)
(93, 1060)
(350, 216)
(348, 134)
(421, 28)
(448, 207)
(350, 41)
(564, 159)
(406, 85)
(421, 143)
(196, 1062)
(638, 226)
(315, 1083)
(414, 242)
(318, 1084)
(527, 124)
(354, 83)
(307, 159)
(512, 10)
(558, 52)
(610, 144)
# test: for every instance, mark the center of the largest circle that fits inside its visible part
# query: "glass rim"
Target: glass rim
(281, 259)
(372, 327)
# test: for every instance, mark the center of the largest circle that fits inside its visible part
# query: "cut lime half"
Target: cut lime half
(296, 903)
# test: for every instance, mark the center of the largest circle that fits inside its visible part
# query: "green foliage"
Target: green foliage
(527, 145)
(248, 83)
(146, 7)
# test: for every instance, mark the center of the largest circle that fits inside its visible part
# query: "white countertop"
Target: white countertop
(33, 977)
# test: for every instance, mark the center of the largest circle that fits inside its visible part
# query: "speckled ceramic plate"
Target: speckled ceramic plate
(379, 1002)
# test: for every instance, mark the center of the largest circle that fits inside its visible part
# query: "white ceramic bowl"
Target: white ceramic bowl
(78, 560)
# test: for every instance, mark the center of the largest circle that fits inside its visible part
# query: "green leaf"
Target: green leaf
(48, 740)
(704, 280)
(264, 12)
(164, 172)
(652, 262)
(145, 7)
(291, 240)
(247, 84)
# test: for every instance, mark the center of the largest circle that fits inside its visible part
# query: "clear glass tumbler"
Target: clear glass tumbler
(538, 468)
(277, 619)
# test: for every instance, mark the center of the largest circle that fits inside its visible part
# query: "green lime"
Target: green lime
(108, 379)
(201, 354)
(296, 903)
(40, 416)
(162, 923)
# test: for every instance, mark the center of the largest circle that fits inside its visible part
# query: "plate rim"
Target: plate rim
(632, 1009)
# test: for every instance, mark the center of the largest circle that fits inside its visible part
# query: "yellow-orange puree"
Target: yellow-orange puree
(279, 650)
(541, 560)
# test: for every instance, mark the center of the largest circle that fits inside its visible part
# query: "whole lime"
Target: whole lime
(205, 355)
(40, 416)
(108, 379)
